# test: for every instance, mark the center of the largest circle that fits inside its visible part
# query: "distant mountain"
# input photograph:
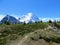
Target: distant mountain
(29, 18)
(11, 19)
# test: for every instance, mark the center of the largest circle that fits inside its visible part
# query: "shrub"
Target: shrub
(40, 37)
(47, 39)
(58, 40)
(3, 41)
(31, 38)
(7, 23)
(49, 21)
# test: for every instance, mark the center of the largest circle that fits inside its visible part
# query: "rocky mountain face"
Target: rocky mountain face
(11, 19)
(29, 18)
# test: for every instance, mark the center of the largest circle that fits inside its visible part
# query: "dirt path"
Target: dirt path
(14, 42)
(24, 39)
(20, 41)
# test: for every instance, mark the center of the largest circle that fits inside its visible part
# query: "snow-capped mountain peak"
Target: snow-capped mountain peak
(29, 18)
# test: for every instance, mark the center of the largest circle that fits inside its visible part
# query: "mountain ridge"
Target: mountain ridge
(9, 18)
(29, 18)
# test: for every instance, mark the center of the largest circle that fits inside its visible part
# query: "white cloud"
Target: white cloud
(47, 19)
(1, 16)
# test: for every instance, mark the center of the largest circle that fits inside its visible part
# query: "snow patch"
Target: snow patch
(26, 18)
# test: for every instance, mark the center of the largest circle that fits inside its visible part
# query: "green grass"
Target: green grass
(11, 32)
(49, 36)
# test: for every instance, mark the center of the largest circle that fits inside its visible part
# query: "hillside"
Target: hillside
(29, 34)
(35, 38)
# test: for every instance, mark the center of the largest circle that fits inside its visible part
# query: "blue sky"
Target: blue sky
(41, 8)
